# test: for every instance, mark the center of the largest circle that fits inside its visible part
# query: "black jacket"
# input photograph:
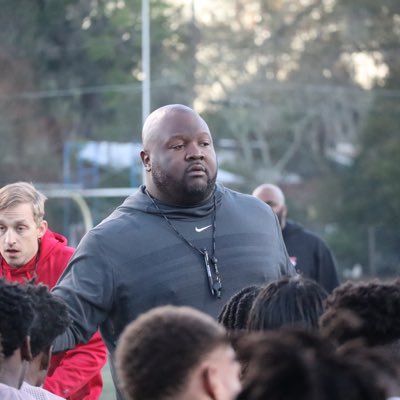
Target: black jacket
(310, 255)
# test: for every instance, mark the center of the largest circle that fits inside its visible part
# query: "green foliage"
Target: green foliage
(278, 77)
(367, 195)
(373, 185)
(79, 63)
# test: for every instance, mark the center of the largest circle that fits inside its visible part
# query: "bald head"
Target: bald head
(274, 197)
(267, 192)
(153, 126)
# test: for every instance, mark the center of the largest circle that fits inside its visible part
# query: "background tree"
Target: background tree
(307, 92)
(72, 71)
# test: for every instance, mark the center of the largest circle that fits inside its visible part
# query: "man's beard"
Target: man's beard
(181, 191)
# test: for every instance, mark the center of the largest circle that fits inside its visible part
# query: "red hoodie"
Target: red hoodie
(74, 374)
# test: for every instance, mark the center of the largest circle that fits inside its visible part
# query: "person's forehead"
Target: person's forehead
(166, 123)
(181, 122)
(270, 196)
(18, 213)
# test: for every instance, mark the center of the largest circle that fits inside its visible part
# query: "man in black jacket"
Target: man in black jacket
(309, 254)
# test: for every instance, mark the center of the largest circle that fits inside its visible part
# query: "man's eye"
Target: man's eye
(178, 146)
(205, 144)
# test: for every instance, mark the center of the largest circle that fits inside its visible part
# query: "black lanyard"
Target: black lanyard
(215, 285)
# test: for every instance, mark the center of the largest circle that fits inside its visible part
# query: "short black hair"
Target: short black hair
(51, 318)
(234, 314)
(296, 363)
(366, 310)
(157, 351)
(291, 300)
(16, 316)
(381, 361)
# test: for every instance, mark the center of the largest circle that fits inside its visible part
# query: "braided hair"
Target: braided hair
(234, 313)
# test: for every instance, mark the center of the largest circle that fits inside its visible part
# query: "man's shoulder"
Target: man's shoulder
(247, 210)
(10, 393)
(295, 229)
(134, 206)
(38, 392)
(242, 198)
(120, 224)
(51, 239)
(55, 245)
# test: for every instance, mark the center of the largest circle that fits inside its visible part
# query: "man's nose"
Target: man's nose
(194, 152)
(10, 237)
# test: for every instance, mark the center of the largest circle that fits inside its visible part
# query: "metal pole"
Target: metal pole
(145, 59)
(145, 66)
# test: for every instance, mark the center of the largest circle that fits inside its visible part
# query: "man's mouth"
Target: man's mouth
(196, 169)
(12, 251)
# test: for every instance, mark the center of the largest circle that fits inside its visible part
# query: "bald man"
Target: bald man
(181, 239)
(309, 254)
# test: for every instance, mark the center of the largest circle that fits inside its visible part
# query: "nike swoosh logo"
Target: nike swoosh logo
(201, 229)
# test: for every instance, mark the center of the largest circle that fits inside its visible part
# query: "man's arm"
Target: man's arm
(86, 287)
(64, 342)
(72, 370)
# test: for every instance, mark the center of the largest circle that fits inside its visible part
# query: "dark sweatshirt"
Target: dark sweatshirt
(310, 255)
(133, 261)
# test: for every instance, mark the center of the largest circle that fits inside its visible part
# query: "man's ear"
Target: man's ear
(42, 228)
(26, 353)
(144, 155)
(45, 359)
(210, 382)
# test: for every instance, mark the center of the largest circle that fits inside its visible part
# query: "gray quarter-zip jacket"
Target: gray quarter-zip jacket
(133, 261)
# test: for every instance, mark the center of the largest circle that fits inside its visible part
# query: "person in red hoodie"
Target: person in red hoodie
(29, 250)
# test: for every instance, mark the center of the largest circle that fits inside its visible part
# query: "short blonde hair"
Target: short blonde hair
(20, 193)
